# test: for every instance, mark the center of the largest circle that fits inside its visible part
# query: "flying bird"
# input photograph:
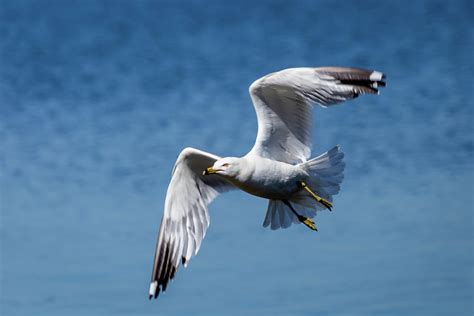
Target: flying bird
(276, 168)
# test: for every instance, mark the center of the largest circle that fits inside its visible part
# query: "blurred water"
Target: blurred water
(98, 98)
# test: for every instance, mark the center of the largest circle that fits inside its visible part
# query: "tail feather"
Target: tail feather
(326, 172)
(325, 176)
(278, 216)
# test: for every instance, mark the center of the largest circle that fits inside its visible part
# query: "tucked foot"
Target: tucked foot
(307, 221)
(318, 199)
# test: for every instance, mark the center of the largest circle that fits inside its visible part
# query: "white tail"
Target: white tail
(326, 173)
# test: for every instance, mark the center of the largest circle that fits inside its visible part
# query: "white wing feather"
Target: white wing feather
(283, 103)
(185, 219)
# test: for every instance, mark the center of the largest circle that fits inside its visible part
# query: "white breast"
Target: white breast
(270, 179)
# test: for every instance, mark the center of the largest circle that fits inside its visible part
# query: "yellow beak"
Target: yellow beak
(208, 171)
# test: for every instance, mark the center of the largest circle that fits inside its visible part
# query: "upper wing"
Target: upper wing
(283, 102)
(185, 219)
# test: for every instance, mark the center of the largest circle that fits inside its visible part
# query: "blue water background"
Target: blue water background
(98, 98)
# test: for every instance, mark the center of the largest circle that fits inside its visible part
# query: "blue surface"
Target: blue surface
(98, 98)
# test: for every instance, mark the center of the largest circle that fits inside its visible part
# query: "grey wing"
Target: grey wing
(283, 104)
(185, 219)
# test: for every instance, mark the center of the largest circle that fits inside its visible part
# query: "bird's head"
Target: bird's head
(228, 167)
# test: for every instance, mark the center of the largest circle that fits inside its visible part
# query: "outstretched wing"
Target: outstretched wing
(185, 219)
(283, 103)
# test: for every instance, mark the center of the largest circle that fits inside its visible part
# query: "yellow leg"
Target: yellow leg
(318, 199)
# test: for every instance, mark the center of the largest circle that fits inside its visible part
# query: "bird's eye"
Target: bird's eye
(226, 165)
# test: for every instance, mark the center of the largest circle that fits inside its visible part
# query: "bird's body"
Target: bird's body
(276, 168)
(268, 178)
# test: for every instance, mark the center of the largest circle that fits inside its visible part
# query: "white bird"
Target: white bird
(276, 168)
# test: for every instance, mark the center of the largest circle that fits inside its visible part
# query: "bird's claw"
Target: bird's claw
(326, 203)
(310, 223)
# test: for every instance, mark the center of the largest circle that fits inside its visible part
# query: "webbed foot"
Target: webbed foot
(305, 220)
(309, 223)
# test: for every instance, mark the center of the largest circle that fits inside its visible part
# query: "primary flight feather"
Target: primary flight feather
(276, 168)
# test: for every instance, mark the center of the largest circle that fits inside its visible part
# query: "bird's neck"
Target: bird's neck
(246, 170)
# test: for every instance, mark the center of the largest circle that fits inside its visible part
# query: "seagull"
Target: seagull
(276, 168)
